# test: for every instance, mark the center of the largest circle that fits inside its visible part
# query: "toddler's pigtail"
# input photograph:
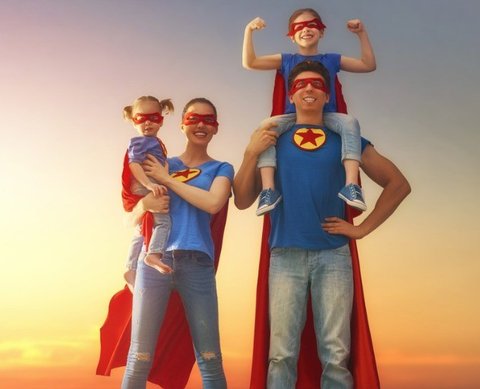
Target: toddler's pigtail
(127, 112)
(166, 106)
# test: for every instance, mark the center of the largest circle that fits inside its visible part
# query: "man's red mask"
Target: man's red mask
(195, 118)
(154, 117)
(314, 23)
(317, 83)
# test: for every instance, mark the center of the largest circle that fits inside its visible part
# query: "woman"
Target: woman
(199, 186)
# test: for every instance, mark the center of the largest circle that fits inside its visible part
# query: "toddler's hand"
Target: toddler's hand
(256, 24)
(157, 189)
(355, 25)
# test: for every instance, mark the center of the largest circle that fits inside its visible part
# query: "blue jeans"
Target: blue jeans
(161, 231)
(344, 125)
(194, 279)
(135, 249)
(327, 275)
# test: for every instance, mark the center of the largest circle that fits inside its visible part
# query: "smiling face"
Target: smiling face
(308, 92)
(199, 123)
(147, 118)
(306, 30)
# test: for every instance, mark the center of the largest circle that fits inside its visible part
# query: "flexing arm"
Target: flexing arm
(249, 58)
(395, 189)
(366, 63)
(247, 182)
(210, 201)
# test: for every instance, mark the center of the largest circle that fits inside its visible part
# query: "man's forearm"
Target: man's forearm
(391, 197)
(246, 184)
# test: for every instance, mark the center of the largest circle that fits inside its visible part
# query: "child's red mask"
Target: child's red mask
(154, 117)
(195, 118)
(317, 83)
(314, 23)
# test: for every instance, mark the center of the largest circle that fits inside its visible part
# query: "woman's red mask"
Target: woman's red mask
(195, 118)
(314, 23)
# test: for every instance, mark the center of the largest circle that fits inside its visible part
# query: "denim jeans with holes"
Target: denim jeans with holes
(193, 278)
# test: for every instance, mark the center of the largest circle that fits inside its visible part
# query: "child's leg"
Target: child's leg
(133, 254)
(158, 242)
(267, 160)
(349, 130)
(352, 171)
(267, 163)
(267, 174)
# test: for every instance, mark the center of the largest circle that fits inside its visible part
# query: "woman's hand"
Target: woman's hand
(153, 168)
(149, 203)
(156, 204)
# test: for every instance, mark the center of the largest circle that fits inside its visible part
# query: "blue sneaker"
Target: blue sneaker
(268, 200)
(352, 194)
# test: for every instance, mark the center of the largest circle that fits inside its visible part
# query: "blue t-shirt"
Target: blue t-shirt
(309, 176)
(329, 60)
(190, 225)
(140, 146)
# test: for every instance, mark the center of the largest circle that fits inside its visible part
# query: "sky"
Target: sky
(68, 69)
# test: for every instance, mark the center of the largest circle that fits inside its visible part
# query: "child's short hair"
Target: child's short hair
(309, 66)
(164, 106)
(202, 100)
(300, 11)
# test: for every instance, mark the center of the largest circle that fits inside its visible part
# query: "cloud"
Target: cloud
(44, 353)
(394, 357)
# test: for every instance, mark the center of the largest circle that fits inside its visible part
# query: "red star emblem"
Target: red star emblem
(309, 138)
(186, 174)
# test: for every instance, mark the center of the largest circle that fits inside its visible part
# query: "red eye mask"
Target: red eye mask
(317, 83)
(155, 117)
(195, 118)
(314, 23)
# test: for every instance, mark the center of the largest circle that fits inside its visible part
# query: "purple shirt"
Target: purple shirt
(140, 146)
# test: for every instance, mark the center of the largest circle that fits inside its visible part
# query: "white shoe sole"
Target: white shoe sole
(354, 204)
(268, 208)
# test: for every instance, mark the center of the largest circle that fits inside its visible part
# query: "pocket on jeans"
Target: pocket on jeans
(202, 259)
(343, 250)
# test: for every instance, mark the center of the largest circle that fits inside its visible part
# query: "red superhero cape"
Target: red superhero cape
(362, 361)
(174, 356)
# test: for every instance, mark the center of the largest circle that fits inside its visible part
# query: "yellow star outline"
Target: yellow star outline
(186, 174)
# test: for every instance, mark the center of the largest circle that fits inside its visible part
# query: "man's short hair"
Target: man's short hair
(309, 66)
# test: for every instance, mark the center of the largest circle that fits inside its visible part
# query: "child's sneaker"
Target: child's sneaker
(268, 200)
(352, 194)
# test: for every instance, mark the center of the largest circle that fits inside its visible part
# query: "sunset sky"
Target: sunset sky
(67, 69)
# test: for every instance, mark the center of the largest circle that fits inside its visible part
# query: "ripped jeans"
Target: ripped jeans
(194, 278)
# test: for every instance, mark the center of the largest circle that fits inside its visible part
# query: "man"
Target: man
(309, 236)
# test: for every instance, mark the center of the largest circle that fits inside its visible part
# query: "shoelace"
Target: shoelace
(353, 191)
(267, 195)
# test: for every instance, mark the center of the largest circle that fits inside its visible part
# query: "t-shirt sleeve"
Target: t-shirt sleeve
(225, 170)
(365, 143)
(137, 149)
(334, 61)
